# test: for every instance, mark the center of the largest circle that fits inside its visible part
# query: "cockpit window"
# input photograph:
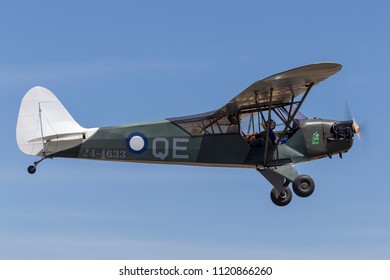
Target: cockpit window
(251, 121)
(242, 122)
(208, 123)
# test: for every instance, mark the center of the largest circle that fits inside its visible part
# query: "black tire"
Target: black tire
(281, 199)
(31, 169)
(303, 186)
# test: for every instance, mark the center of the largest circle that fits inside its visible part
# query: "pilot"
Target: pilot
(234, 124)
(272, 136)
(258, 139)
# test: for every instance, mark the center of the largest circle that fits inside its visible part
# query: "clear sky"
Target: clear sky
(115, 62)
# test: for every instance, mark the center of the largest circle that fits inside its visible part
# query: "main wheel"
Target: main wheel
(31, 169)
(303, 186)
(281, 198)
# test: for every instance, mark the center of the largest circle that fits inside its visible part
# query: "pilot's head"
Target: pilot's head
(272, 124)
(233, 119)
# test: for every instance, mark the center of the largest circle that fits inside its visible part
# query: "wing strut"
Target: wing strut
(268, 126)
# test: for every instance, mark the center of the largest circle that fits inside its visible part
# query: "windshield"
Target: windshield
(299, 115)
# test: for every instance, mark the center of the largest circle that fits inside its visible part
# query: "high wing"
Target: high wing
(280, 89)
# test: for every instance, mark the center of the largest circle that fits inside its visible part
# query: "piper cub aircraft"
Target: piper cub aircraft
(260, 128)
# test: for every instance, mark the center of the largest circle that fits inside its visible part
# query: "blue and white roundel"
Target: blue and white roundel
(136, 143)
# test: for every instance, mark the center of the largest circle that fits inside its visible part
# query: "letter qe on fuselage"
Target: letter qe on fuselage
(160, 148)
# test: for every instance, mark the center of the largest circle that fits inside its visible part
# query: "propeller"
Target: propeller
(355, 125)
(356, 128)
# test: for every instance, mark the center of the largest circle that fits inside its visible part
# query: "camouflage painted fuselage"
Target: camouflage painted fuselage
(165, 142)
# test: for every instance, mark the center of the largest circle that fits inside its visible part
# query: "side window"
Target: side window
(210, 125)
(251, 123)
(192, 127)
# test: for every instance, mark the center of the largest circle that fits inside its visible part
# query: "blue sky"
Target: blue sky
(129, 61)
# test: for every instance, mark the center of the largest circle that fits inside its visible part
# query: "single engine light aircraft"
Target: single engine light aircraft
(260, 128)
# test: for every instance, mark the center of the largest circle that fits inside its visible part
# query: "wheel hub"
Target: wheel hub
(304, 185)
(282, 195)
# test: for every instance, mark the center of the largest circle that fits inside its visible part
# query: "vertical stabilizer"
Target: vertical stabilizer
(44, 125)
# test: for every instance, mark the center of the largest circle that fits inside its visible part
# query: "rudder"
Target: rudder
(44, 125)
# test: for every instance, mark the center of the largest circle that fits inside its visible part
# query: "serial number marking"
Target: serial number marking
(104, 153)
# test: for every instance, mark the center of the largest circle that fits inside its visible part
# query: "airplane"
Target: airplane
(261, 128)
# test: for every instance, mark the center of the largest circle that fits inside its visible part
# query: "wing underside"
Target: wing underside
(278, 90)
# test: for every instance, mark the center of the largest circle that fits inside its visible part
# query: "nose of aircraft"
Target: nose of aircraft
(344, 130)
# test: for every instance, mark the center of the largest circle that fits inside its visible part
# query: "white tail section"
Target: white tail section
(44, 125)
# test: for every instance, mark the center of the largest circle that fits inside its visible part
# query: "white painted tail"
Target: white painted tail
(44, 125)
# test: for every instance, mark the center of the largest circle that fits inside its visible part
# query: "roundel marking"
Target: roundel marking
(136, 143)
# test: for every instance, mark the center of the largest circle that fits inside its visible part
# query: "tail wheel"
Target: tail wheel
(31, 169)
(303, 186)
(281, 198)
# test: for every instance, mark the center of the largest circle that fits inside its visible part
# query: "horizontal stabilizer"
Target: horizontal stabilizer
(58, 137)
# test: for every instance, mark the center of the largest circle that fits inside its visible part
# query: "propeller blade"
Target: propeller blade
(355, 125)
(356, 129)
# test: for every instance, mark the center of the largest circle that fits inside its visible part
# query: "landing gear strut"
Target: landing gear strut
(280, 177)
(33, 168)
